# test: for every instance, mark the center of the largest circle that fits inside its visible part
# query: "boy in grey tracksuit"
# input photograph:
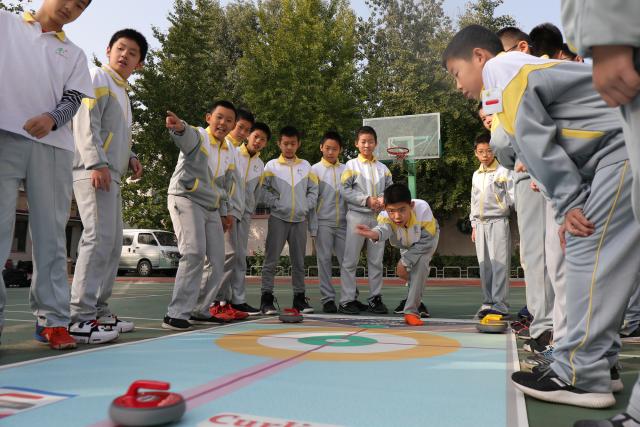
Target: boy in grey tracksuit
(102, 131)
(363, 183)
(614, 47)
(290, 189)
(198, 205)
(491, 199)
(572, 144)
(327, 223)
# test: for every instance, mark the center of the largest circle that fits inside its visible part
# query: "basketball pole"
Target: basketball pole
(411, 177)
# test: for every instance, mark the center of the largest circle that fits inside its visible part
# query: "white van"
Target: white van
(145, 251)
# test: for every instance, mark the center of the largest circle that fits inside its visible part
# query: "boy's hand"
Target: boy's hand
(614, 75)
(563, 239)
(473, 235)
(534, 186)
(174, 123)
(227, 223)
(39, 126)
(136, 168)
(401, 271)
(101, 178)
(519, 167)
(380, 203)
(577, 224)
(365, 231)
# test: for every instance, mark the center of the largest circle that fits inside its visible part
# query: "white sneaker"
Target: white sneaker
(112, 321)
(90, 332)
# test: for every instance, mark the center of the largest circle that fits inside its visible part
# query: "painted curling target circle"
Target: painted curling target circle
(339, 344)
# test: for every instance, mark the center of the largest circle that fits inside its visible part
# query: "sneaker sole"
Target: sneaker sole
(203, 322)
(270, 312)
(307, 311)
(89, 340)
(587, 400)
(120, 329)
(173, 328)
(350, 313)
(67, 346)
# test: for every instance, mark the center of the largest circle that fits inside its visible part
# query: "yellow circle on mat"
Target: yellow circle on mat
(424, 345)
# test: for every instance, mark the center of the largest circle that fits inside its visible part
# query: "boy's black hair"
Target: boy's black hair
(224, 104)
(514, 33)
(483, 138)
(289, 131)
(474, 36)
(547, 40)
(242, 114)
(332, 135)
(397, 193)
(568, 52)
(134, 35)
(263, 127)
(367, 130)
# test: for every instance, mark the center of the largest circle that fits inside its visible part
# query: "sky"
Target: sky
(104, 17)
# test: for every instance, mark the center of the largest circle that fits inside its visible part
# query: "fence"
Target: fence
(450, 271)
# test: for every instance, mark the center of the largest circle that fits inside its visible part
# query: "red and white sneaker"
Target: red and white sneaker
(90, 332)
(237, 314)
(57, 338)
(112, 321)
(220, 312)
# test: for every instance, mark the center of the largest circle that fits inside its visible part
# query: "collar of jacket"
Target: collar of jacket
(245, 152)
(214, 141)
(117, 78)
(29, 18)
(284, 161)
(363, 159)
(327, 164)
(491, 168)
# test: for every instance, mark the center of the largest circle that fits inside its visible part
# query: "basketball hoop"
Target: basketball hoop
(400, 153)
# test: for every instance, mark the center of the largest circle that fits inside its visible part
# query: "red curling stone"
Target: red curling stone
(147, 408)
(291, 315)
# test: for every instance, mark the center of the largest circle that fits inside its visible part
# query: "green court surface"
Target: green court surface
(145, 301)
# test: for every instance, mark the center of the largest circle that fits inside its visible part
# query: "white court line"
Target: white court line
(22, 320)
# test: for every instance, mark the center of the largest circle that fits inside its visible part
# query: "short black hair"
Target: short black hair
(568, 52)
(331, 134)
(514, 33)
(224, 104)
(242, 114)
(397, 193)
(367, 130)
(262, 127)
(546, 39)
(289, 131)
(483, 138)
(474, 36)
(134, 35)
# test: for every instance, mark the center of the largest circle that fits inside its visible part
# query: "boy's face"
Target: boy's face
(124, 57)
(399, 213)
(221, 120)
(242, 129)
(366, 144)
(288, 146)
(330, 150)
(468, 72)
(484, 154)
(487, 119)
(256, 141)
(63, 12)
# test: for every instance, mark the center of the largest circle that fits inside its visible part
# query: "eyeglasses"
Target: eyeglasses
(482, 152)
(515, 46)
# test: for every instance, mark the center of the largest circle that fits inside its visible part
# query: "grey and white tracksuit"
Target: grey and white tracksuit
(102, 132)
(328, 223)
(290, 189)
(491, 198)
(361, 179)
(572, 144)
(417, 241)
(197, 198)
(617, 24)
(249, 170)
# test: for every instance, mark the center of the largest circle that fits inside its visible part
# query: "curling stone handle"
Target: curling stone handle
(148, 384)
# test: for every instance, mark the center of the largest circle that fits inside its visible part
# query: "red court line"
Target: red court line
(390, 281)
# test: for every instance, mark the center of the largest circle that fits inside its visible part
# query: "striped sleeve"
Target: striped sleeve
(66, 108)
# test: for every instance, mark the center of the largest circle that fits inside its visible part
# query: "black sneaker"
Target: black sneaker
(252, 311)
(205, 320)
(482, 313)
(634, 336)
(329, 307)
(266, 303)
(361, 306)
(400, 308)
(424, 312)
(301, 303)
(620, 420)
(176, 324)
(538, 345)
(616, 382)
(544, 384)
(377, 306)
(349, 308)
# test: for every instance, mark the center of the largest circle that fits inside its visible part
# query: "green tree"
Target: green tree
(483, 12)
(14, 6)
(299, 68)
